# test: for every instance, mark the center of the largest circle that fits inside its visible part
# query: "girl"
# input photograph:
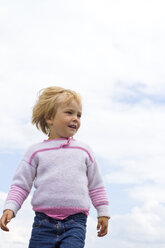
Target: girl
(64, 173)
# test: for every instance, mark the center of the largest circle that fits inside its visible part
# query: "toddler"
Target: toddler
(64, 173)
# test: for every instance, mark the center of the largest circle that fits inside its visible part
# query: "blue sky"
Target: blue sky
(136, 93)
(112, 53)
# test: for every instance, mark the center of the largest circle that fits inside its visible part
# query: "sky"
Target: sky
(112, 53)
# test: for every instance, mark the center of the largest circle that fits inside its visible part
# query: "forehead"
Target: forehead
(72, 105)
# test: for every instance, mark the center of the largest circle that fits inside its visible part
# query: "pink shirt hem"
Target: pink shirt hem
(60, 212)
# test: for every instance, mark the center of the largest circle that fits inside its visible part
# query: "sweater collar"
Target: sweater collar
(65, 141)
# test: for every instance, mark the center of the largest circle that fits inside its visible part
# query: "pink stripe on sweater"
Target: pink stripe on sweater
(17, 194)
(20, 188)
(21, 193)
(99, 200)
(57, 148)
(83, 149)
(15, 199)
(98, 192)
(97, 189)
(102, 203)
(99, 197)
(42, 150)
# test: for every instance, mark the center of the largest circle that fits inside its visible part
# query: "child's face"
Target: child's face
(66, 122)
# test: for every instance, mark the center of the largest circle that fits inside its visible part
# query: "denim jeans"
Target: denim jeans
(53, 233)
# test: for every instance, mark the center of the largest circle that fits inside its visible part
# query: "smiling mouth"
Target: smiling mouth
(72, 126)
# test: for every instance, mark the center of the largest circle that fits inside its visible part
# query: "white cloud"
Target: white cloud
(126, 132)
(139, 170)
(109, 41)
(142, 226)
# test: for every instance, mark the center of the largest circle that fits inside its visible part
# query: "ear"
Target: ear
(49, 121)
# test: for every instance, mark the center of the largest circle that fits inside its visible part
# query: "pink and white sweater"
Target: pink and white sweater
(65, 176)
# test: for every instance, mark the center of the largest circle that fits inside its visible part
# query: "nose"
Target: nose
(75, 118)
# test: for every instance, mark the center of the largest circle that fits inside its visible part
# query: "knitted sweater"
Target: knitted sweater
(65, 176)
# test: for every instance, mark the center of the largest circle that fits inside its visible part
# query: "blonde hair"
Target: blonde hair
(48, 101)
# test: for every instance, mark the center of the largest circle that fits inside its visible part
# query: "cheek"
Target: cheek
(66, 120)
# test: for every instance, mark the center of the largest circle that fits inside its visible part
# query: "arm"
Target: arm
(98, 197)
(20, 188)
(97, 190)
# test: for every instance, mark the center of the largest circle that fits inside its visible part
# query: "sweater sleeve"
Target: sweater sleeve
(97, 189)
(21, 185)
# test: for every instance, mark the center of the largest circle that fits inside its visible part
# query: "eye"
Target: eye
(79, 115)
(69, 112)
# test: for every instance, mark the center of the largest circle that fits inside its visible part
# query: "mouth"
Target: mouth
(73, 126)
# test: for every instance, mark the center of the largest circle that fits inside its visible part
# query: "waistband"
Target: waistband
(73, 217)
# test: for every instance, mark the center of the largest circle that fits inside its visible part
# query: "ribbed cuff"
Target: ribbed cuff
(11, 206)
(103, 210)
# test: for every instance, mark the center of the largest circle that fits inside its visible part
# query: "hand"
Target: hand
(5, 219)
(102, 226)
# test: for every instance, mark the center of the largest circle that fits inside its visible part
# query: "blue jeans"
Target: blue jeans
(53, 233)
